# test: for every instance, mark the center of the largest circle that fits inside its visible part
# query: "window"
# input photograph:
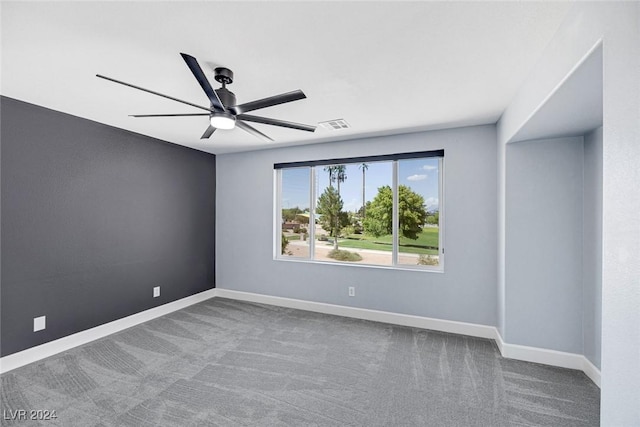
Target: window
(383, 210)
(295, 212)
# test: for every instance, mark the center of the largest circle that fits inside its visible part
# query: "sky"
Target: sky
(421, 175)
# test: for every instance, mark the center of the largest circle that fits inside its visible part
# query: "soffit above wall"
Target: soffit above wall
(574, 108)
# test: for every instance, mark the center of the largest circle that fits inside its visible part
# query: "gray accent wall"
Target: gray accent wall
(592, 255)
(544, 203)
(466, 291)
(94, 217)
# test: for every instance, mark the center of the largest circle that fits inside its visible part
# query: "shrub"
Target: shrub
(284, 244)
(341, 255)
(427, 260)
(303, 230)
(348, 230)
(323, 238)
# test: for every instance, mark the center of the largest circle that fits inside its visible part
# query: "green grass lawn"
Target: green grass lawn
(427, 240)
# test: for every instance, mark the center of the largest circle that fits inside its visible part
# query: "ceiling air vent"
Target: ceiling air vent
(336, 124)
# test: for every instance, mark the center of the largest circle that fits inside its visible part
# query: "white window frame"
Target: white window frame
(395, 224)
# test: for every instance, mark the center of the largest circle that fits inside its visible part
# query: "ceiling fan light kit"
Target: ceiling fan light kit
(222, 120)
(223, 112)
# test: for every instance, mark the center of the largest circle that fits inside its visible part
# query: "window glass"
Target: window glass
(418, 212)
(295, 197)
(344, 194)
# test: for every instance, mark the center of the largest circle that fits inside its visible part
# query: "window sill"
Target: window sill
(419, 269)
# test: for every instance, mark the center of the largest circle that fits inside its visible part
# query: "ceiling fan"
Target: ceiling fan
(223, 112)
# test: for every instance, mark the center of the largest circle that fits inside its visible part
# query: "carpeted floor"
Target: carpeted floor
(230, 363)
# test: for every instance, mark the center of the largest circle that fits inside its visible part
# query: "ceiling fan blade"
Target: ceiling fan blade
(152, 92)
(270, 101)
(193, 65)
(169, 115)
(253, 131)
(207, 133)
(276, 122)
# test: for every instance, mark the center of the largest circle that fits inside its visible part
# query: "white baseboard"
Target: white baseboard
(591, 371)
(499, 342)
(510, 351)
(541, 355)
(461, 328)
(549, 357)
(50, 348)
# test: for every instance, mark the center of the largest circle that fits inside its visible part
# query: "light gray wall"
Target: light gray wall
(501, 238)
(592, 246)
(466, 291)
(544, 244)
(615, 24)
(94, 217)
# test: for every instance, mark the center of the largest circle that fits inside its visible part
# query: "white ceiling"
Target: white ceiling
(385, 67)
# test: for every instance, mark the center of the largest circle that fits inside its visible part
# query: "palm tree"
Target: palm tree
(340, 172)
(364, 168)
(330, 169)
(337, 173)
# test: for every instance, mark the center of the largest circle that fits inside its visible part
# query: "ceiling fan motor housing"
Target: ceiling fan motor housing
(227, 97)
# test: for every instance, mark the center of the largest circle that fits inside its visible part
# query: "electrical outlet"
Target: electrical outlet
(39, 323)
(156, 291)
(352, 291)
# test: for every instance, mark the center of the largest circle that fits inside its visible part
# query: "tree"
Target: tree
(289, 214)
(340, 175)
(330, 169)
(433, 218)
(379, 213)
(332, 218)
(284, 242)
(412, 213)
(364, 168)
(337, 173)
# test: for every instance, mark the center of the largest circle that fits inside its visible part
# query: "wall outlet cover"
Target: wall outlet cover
(156, 291)
(39, 323)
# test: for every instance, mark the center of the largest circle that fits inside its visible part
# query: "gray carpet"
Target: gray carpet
(229, 363)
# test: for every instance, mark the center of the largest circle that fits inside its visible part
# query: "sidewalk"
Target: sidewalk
(369, 256)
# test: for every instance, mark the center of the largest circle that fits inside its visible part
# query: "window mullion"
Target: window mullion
(441, 213)
(277, 218)
(394, 214)
(312, 213)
